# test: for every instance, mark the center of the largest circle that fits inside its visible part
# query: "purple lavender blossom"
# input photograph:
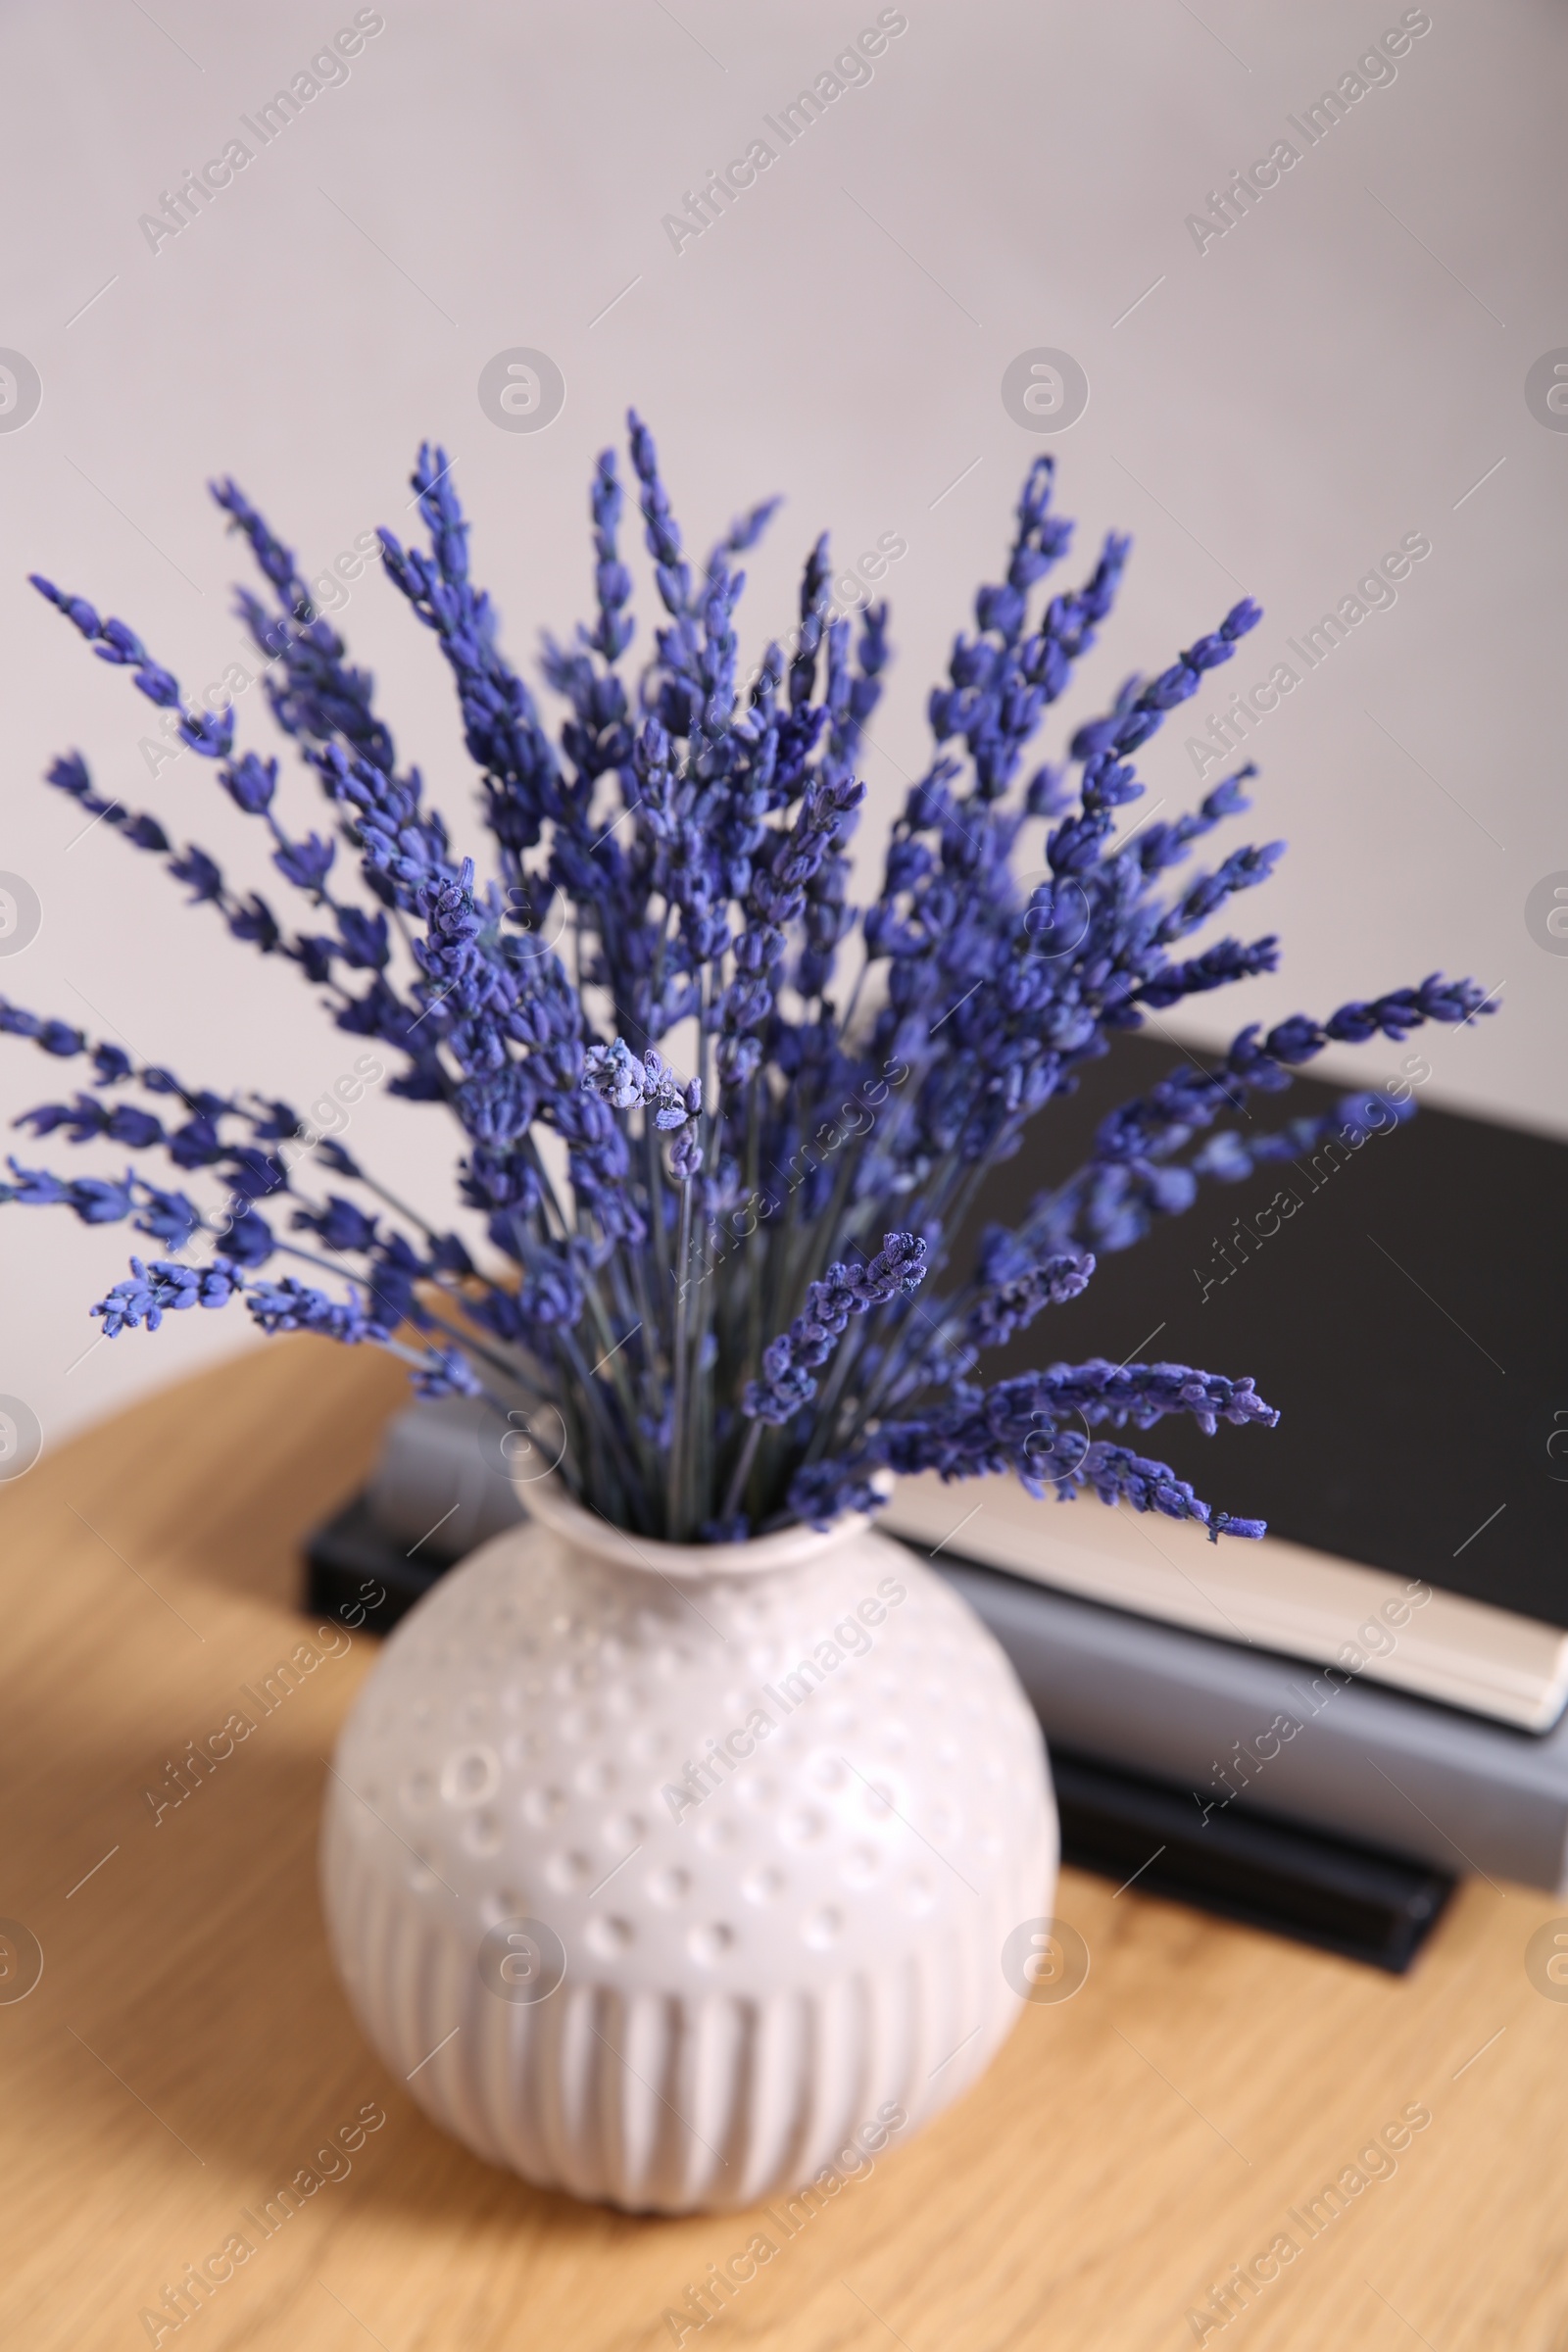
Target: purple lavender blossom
(685, 1261)
(789, 1361)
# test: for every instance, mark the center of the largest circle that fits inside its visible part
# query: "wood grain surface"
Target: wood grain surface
(186, 2050)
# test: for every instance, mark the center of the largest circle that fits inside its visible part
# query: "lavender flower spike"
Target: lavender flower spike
(164, 1287)
(619, 1078)
(790, 1362)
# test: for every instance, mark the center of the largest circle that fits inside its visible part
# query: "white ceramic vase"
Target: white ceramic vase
(658, 1872)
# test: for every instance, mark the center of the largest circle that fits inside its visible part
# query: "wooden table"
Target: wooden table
(186, 2048)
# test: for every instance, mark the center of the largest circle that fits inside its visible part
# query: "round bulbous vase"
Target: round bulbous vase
(669, 1875)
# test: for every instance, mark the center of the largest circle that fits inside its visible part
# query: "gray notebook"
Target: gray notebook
(1332, 1752)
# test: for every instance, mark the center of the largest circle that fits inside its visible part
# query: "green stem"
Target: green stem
(676, 1491)
(756, 1260)
(612, 1360)
(604, 1420)
(742, 1470)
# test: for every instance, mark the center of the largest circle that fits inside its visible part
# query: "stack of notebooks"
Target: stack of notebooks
(1317, 1732)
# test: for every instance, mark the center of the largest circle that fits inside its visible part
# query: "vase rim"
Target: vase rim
(548, 1500)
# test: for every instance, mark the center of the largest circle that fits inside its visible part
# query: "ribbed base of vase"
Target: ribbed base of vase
(662, 2102)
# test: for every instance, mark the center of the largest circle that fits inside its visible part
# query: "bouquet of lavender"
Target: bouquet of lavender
(716, 1188)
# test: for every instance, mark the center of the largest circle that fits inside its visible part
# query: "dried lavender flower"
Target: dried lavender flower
(679, 1134)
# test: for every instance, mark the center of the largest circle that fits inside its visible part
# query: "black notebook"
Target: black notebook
(1409, 1317)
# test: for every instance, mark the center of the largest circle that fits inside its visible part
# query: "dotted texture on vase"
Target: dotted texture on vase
(684, 1878)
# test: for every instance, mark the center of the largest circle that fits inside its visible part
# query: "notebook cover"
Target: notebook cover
(1351, 1900)
(1407, 1319)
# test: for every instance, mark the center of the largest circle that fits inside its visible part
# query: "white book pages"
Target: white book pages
(1268, 1595)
